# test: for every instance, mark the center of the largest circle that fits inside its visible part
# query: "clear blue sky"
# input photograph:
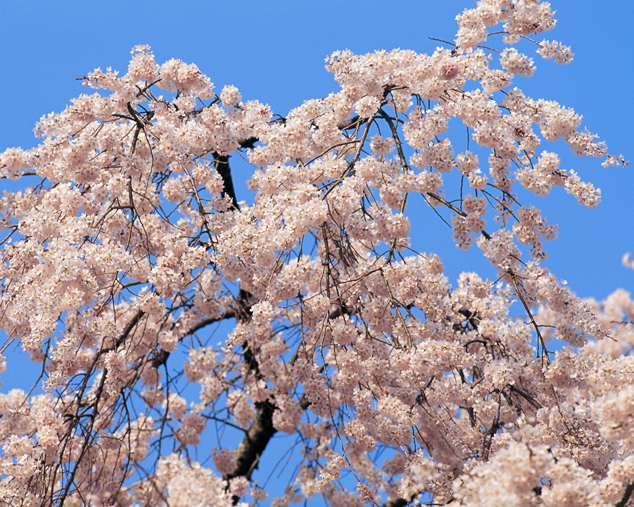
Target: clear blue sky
(274, 51)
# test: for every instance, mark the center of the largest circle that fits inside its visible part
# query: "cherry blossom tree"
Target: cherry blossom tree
(128, 245)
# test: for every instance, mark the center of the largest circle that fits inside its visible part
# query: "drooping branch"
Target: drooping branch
(222, 166)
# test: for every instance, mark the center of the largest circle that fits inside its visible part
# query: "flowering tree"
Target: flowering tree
(130, 245)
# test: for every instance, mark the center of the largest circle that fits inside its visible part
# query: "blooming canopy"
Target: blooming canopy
(130, 244)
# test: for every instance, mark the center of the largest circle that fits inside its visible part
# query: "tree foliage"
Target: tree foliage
(130, 246)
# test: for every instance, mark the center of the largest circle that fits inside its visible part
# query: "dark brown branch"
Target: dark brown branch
(397, 502)
(229, 314)
(261, 429)
(126, 331)
(352, 122)
(161, 356)
(526, 395)
(222, 166)
(626, 495)
(472, 317)
(255, 441)
(248, 143)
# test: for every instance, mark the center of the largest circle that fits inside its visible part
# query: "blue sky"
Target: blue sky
(274, 51)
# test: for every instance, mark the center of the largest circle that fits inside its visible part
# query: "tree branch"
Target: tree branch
(397, 502)
(255, 441)
(626, 495)
(222, 166)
